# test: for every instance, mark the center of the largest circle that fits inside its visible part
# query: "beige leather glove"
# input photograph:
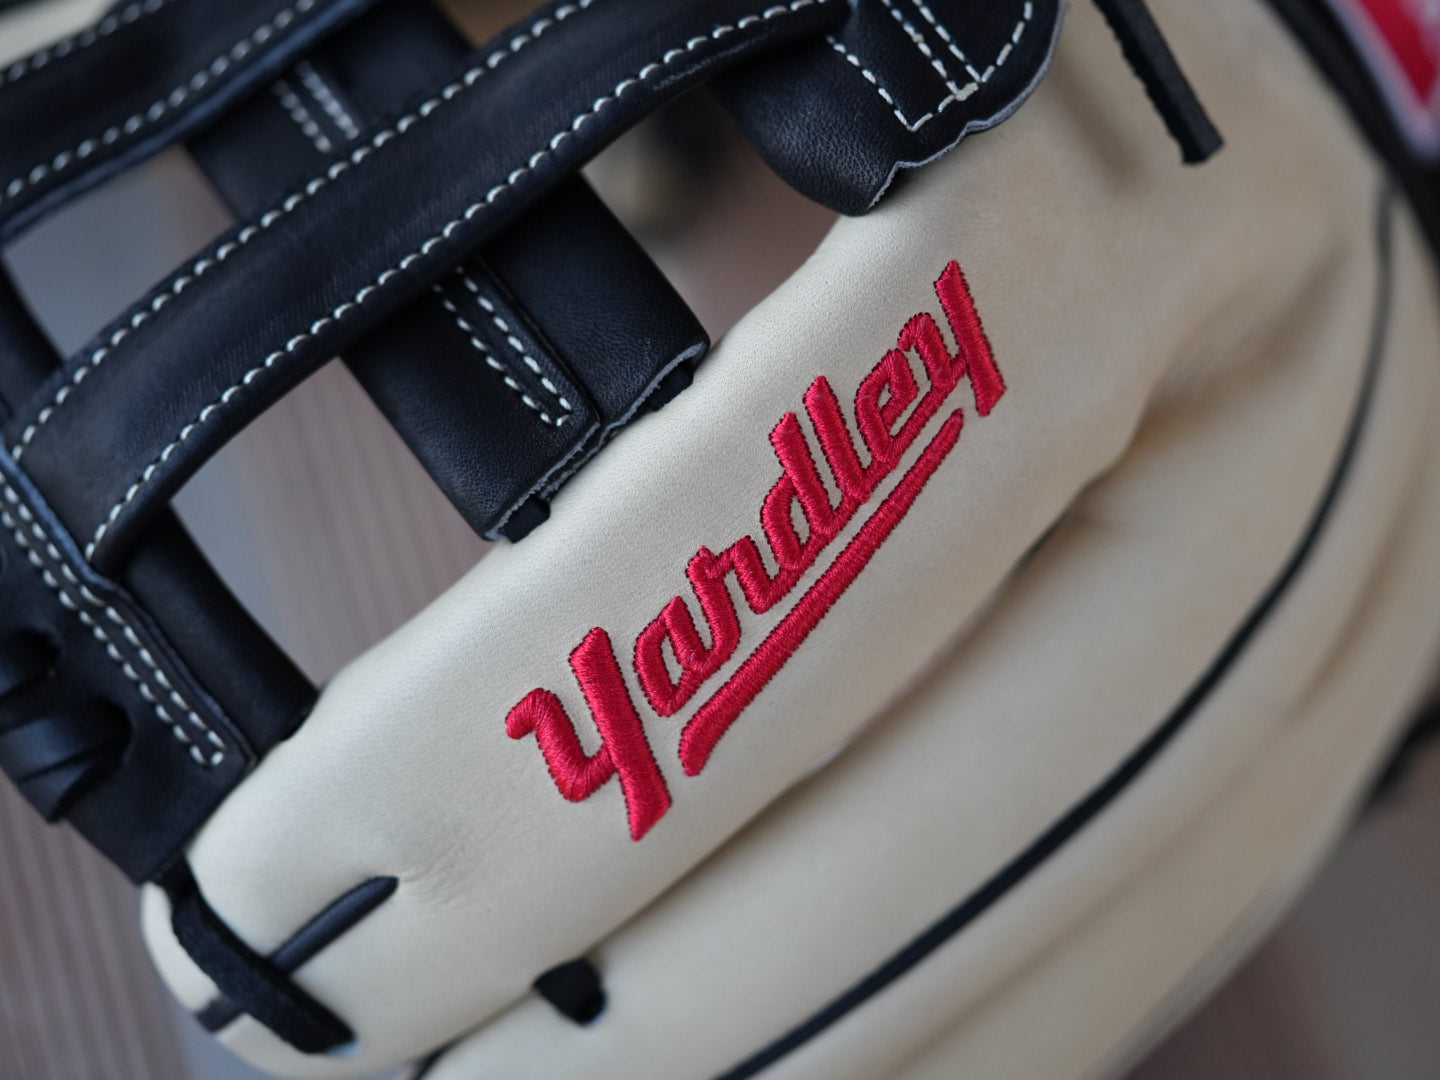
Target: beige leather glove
(1047, 733)
(954, 681)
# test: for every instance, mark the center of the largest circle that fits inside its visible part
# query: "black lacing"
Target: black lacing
(575, 990)
(24, 658)
(1155, 65)
(255, 983)
(52, 752)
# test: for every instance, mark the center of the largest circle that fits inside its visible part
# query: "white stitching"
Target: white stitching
(326, 99)
(301, 115)
(956, 93)
(75, 43)
(157, 109)
(495, 365)
(950, 43)
(515, 344)
(91, 619)
(935, 62)
(955, 49)
(333, 172)
(889, 99)
(425, 249)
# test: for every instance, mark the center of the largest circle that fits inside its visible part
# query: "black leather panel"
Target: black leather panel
(598, 299)
(163, 69)
(471, 388)
(899, 85)
(137, 794)
(312, 280)
(251, 678)
(565, 330)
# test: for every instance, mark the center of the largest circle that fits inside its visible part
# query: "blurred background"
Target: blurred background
(326, 527)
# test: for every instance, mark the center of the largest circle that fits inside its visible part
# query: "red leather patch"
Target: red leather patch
(676, 656)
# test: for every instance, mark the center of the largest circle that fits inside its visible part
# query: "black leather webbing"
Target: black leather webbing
(320, 275)
(150, 72)
(1155, 66)
(522, 362)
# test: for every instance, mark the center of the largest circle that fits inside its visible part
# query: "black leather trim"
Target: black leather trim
(1149, 56)
(183, 753)
(899, 85)
(1133, 766)
(139, 821)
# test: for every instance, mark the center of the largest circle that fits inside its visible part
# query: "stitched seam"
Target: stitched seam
(950, 43)
(350, 306)
(336, 169)
(515, 344)
(301, 115)
(326, 99)
(495, 365)
(81, 41)
(96, 618)
(924, 49)
(957, 93)
(158, 109)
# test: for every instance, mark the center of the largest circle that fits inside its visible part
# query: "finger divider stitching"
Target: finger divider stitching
(515, 344)
(924, 49)
(304, 120)
(326, 99)
(957, 93)
(506, 374)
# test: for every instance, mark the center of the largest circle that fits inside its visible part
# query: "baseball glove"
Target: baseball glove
(949, 673)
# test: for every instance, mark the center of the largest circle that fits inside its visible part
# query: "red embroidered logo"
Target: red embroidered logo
(890, 414)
